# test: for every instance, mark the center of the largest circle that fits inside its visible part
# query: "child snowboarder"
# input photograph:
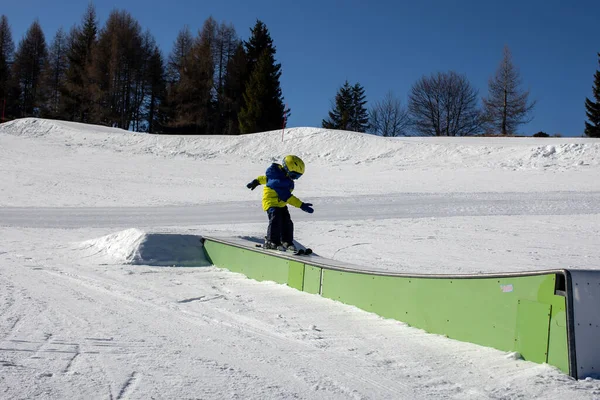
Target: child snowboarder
(277, 194)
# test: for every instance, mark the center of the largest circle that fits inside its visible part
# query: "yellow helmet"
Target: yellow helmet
(294, 166)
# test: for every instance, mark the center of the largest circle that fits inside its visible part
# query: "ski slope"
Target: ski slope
(79, 320)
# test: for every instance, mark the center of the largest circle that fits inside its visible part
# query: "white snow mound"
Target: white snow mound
(133, 246)
(325, 146)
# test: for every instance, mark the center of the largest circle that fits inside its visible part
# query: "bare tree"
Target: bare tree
(7, 49)
(388, 117)
(444, 104)
(179, 55)
(155, 114)
(54, 76)
(225, 46)
(142, 85)
(77, 95)
(195, 91)
(198, 71)
(506, 106)
(118, 57)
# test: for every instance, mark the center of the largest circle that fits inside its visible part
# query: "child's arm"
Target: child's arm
(261, 180)
(296, 202)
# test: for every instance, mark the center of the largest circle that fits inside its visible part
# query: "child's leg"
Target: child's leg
(275, 224)
(287, 229)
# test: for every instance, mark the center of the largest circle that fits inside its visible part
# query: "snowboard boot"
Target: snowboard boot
(273, 246)
(289, 246)
(270, 245)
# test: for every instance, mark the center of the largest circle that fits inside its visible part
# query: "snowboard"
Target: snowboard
(298, 252)
(302, 252)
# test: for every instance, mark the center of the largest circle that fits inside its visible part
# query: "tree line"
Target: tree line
(210, 83)
(442, 104)
(446, 104)
(213, 82)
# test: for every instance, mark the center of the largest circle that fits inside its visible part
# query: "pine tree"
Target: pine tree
(264, 109)
(507, 106)
(28, 67)
(359, 121)
(54, 76)
(340, 117)
(77, 94)
(260, 41)
(592, 128)
(233, 91)
(252, 115)
(7, 49)
(349, 112)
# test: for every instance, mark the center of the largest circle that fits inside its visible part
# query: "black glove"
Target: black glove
(252, 185)
(307, 207)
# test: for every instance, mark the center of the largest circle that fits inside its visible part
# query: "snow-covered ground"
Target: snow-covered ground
(78, 321)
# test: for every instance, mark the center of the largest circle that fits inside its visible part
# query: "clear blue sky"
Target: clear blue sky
(385, 45)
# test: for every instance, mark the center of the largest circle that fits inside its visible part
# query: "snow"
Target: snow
(92, 307)
(133, 246)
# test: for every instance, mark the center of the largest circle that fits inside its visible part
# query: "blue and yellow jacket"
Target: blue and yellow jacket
(278, 188)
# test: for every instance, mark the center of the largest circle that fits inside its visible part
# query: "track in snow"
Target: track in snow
(402, 205)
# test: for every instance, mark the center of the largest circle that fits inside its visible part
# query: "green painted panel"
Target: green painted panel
(557, 352)
(509, 313)
(253, 264)
(312, 279)
(296, 275)
(477, 310)
(533, 325)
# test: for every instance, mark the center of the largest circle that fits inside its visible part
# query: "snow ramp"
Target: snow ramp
(550, 316)
(134, 246)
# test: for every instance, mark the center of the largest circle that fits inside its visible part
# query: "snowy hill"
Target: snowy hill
(204, 169)
(322, 146)
(86, 313)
